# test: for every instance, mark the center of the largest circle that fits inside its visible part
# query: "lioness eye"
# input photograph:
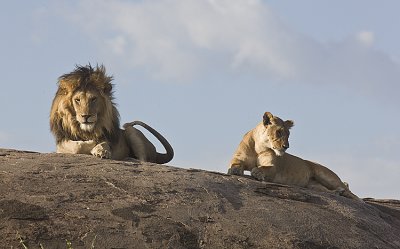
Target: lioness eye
(77, 101)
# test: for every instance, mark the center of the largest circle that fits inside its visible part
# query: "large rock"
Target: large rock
(55, 201)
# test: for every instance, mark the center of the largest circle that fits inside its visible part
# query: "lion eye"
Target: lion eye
(77, 101)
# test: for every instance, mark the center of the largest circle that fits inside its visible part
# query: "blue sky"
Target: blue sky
(203, 73)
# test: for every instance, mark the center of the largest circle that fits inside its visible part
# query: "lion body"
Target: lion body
(262, 151)
(84, 120)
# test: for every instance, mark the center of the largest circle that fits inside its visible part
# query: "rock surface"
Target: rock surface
(59, 201)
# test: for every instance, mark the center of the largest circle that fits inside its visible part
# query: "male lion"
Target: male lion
(84, 120)
(262, 151)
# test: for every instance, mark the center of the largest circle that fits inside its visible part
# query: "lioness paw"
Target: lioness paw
(102, 150)
(257, 174)
(236, 171)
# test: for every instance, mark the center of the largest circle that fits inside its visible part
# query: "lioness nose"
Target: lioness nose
(286, 146)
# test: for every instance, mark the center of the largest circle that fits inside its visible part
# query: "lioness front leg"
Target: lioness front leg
(238, 165)
(265, 170)
(102, 150)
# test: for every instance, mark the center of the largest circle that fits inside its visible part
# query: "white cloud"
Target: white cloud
(178, 39)
(366, 37)
(181, 40)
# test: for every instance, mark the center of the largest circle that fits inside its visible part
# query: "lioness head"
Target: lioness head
(277, 132)
(82, 108)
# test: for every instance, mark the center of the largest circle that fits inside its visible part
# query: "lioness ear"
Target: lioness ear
(267, 118)
(289, 124)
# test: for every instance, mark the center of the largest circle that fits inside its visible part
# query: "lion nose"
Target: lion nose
(86, 117)
(286, 146)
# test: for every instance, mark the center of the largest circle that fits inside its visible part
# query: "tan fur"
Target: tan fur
(262, 151)
(84, 120)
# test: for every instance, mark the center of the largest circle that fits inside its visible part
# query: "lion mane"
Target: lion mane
(63, 121)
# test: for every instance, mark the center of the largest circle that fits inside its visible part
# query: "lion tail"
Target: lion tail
(161, 158)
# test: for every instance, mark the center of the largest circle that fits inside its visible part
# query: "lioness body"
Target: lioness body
(84, 120)
(262, 151)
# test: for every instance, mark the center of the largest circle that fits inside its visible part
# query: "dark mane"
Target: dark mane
(86, 76)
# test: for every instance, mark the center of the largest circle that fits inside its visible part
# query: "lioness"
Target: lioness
(262, 151)
(84, 120)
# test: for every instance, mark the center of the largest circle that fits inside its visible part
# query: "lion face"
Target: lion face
(277, 132)
(85, 104)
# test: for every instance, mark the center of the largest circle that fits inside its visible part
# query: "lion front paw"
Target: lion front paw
(102, 150)
(258, 174)
(236, 171)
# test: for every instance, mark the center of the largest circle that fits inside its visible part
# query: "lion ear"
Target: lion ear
(67, 85)
(289, 124)
(267, 118)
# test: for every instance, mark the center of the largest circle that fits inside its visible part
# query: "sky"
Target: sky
(203, 72)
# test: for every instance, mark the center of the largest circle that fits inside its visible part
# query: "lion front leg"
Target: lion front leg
(76, 147)
(102, 150)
